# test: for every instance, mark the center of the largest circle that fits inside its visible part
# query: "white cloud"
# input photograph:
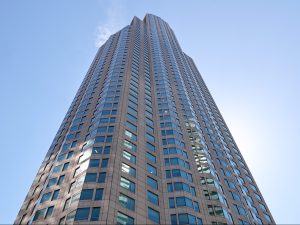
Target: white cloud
(114, 22)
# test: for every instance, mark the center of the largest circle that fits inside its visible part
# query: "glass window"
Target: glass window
(180, 201)
(66, 166)
(87, 194)
(52, 182)
(262, 207)
(193, 191)
(82, 214)
(235, 196)
(90, 177)
(151, 157)
(123, 219)
(150, 147)
(57, 169)
(61, 180)
(130, 135)
(49, 212)
(199, 220)
(74, 143)
(130, 145)
(107, 149)
(150, 129)
(152, 183)
(150, 137)
(267, 217)
(171, 203)
(39, 214)
(99, 139)
(153, 215)
(170, 187)
(70, 154)
(173, 219)
(183, 218)
(94, 163)
(196, 206)
(97, 150)
(102, 177)
(131, 126)
(99, 193)
(127, 202)
(104, 163)
(241, 210)
(46, 197)
(55, 195)
(132, 111)
(128, 169)
(132, 104)
(61, 157)
(153, 198)
(95, 214)
(129, 156)
(151, 169)
(216, 210)
(110, 129)
(257, 196)
(132, 118)
(127, 184)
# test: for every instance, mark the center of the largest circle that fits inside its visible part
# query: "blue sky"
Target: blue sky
(246, 51)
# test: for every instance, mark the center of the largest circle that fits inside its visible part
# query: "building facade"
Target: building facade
(143, 143)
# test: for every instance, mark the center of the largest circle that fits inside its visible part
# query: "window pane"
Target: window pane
(49, 212)
(46, 197)
(82, 214)
(123, 219)
(153, 215)
(55, 195)
(152, 183)
(52, 182)
(151, 157)
(183, 218)
(130, 135)
(127, 184)
(87, 194)
(171, 203)
(128, 169)
(95, 214)
(57, 169)
(94, 163)
(102, 177)
(61, 179)
(127, 202)
(173, 219)
(151, 169)
(39, 214)
(99, 193)
(97, 150)
(129, 156)
(66, 166)
(153, 198)
(130, 145)
(150, 147)
(90, 177)
(104, 163)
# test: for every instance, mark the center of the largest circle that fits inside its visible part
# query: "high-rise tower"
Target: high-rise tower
(143, 143)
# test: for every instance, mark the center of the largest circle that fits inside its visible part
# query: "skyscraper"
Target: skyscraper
(143, 143)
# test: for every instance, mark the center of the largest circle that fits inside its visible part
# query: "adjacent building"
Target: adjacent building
(143, 142)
